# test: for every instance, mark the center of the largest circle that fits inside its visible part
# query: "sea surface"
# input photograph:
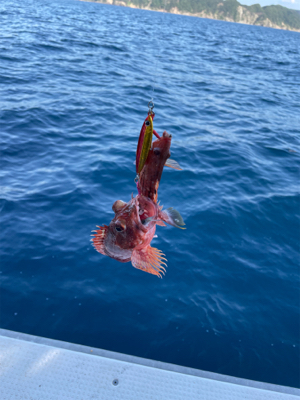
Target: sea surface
(75, 81)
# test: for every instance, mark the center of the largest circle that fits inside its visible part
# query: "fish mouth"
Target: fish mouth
(138, 216)
(143, 214)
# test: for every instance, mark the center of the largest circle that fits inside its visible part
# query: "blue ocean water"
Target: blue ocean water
(75, 80)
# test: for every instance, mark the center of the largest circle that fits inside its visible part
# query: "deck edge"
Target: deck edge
(148, 362)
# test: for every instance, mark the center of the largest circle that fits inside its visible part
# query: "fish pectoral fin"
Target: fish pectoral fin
(98, 239)
(173, 164)
(150, 260)
(172, 217)
(160, 223)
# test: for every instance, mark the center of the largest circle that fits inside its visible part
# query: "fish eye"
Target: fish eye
(119, 228)
(147, 123)
(156, 152)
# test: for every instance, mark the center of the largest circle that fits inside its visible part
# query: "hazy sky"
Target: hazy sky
(295, 4)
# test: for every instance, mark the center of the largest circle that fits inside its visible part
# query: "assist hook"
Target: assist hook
(151, 106)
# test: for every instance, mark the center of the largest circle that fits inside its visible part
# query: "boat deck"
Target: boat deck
(36, 368)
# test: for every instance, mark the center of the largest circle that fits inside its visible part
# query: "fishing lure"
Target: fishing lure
(144, 143)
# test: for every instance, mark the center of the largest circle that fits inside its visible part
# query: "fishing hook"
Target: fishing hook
(151, 106)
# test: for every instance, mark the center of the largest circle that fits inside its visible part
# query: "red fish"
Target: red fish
(157, 158)
(128, 236)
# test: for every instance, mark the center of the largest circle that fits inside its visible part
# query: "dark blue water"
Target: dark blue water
(75, 82)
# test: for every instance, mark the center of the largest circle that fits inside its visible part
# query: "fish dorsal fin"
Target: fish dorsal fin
(172, 217)
(150, 260)
(98, 239)
(173, 164)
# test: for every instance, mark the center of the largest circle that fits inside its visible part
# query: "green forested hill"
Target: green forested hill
(279, 14)
(228, 10)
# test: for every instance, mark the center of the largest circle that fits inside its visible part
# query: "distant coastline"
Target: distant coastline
(277, 17)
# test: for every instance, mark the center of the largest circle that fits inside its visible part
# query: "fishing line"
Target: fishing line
(154, 79)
